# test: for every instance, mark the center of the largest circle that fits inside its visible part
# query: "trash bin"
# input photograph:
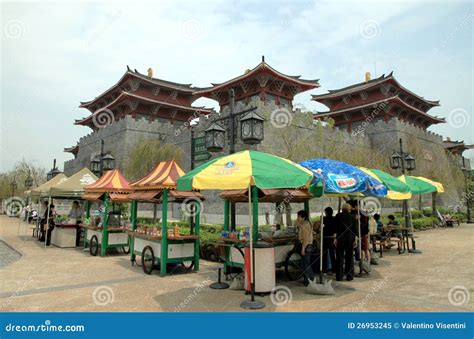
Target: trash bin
(264, 256)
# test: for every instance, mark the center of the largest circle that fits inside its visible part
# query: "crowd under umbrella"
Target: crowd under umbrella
(337, 178)
(250, 170)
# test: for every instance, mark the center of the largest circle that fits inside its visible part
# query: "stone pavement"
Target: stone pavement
(54, 279)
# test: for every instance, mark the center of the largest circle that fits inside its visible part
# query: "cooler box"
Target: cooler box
(264, 267)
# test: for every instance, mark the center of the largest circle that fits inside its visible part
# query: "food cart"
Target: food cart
(64, 233)
(107, 229)
(282, 242)
(160, 246)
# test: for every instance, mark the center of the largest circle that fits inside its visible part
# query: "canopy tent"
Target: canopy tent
(159, 186)
(43, 190)
(73, 187)
(111, 182)
(397, 189)
(339, 178)
(164, 176)
(110, 187)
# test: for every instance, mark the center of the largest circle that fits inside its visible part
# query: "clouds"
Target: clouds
(71, 52)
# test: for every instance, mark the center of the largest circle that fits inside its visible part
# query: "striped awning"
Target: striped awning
(155, 195)
(110, 181)
(164, 175)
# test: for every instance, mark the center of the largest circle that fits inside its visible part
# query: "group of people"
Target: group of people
(340, 239)
(48, 222)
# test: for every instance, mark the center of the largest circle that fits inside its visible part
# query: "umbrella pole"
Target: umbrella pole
(252, 304)
(413, 242)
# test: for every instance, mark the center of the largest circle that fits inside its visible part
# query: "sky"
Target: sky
(56, 54)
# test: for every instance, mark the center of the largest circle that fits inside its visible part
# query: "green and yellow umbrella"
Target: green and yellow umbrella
(397, 189)
(244, 169)
(421, 185)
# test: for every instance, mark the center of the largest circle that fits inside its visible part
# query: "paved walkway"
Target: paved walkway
(53, 279)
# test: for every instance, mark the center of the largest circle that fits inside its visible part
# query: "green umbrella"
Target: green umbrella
(397, 189)
(418, 185)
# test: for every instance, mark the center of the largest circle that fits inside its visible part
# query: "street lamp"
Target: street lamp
(405, 161)
(251, 128)
(108, 162)
(53, 172)
(102, 162)
(95, 165)
(251, 133)
(29, 181)
(215, 136)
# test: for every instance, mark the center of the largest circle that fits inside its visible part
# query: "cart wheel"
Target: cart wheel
(94, 246)
(188, 265)
(293, 266)
(148, 259)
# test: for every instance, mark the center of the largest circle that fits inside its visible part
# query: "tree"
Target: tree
(19, 174)
(146, 153)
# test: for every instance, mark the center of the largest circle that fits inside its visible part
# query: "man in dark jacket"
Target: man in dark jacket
(346, 230)
(330, 235)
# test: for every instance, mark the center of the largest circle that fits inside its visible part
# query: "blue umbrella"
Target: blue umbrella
(341, 178)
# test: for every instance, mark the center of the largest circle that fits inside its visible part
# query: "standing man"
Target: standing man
(329, 237)
(76, 213)
(346, 230)
(305, 236)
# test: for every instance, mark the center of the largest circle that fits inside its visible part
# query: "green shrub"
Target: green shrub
(425, 222)
(416, 214)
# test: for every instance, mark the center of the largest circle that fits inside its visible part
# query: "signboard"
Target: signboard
(200, 152)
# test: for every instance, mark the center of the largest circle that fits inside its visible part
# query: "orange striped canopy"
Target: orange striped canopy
(164, 175)
(110, 181)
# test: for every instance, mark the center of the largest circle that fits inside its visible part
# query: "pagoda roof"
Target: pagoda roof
(260, 68)
(110, 181)
(369, 84)
(164, 175)
(187, 88)
(127, 95)
(450, 144)
(394, 99)
(73, 149)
